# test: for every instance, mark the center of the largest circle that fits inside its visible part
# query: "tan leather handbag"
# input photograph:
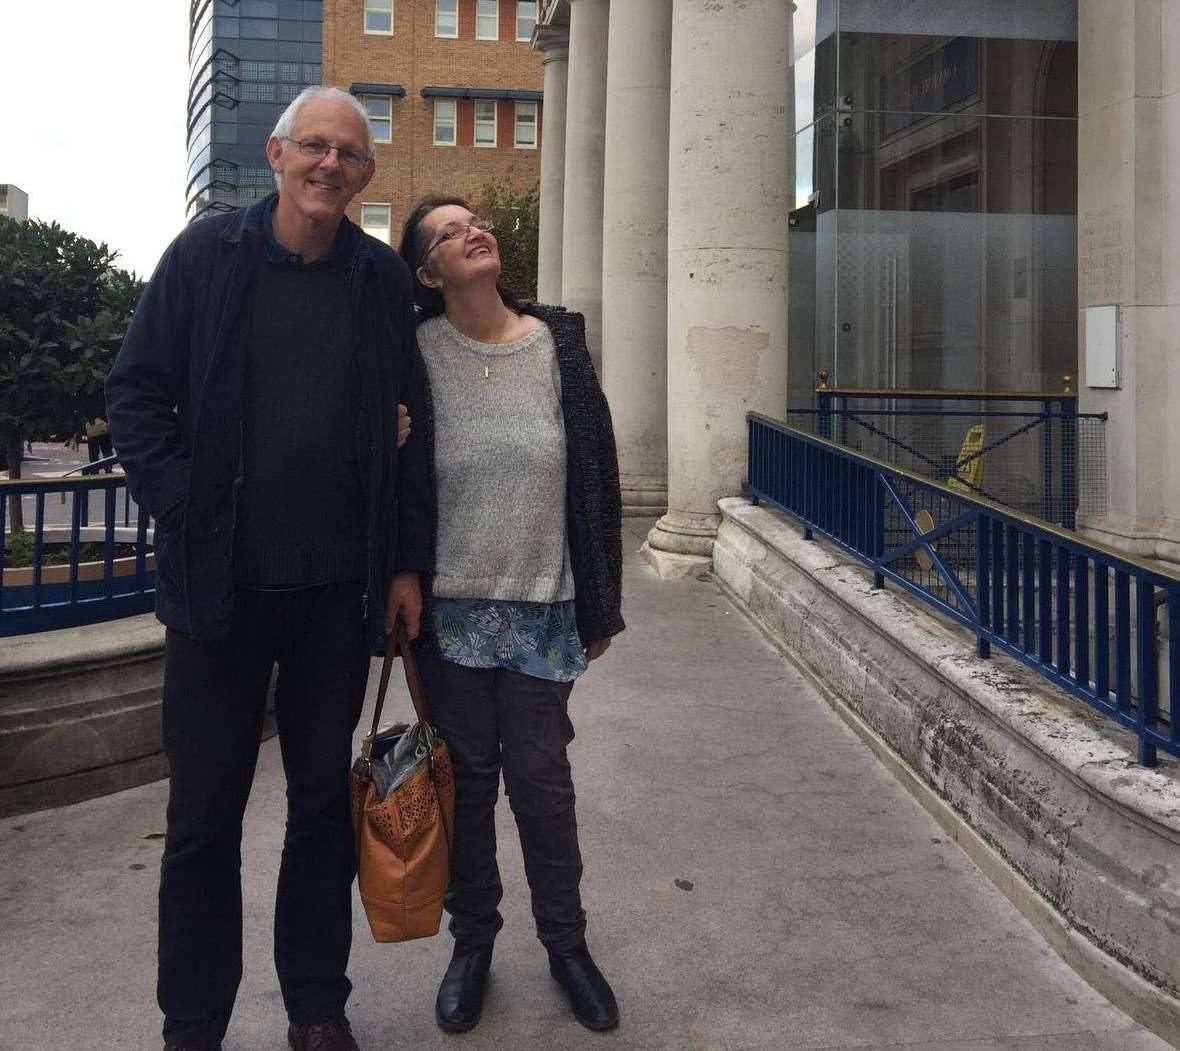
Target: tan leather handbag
(403, 814)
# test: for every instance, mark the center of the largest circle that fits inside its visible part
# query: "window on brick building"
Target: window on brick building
(526, 126)
(378, 16)
(526, 19)
(487, 19)
(485, 122)
(446, 18)
(445, 116)
(375, 221)
(380, 111)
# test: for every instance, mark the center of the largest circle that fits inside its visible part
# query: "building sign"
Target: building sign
(930, 83)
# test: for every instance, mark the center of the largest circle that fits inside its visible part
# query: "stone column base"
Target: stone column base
(681, 544)
(669, 566)
(644, 497)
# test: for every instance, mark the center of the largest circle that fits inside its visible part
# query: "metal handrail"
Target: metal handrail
(947, 395)
(1017, 582)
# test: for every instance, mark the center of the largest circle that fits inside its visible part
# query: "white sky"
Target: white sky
(92, 113)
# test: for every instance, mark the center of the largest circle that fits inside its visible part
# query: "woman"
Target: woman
(525, 589)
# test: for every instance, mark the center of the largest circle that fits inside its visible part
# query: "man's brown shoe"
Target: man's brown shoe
(322, 1036)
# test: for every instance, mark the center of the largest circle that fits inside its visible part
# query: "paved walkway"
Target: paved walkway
(755, 879)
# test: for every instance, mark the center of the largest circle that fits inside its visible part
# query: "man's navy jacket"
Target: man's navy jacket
(174, 402)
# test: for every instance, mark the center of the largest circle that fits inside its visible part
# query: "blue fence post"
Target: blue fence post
(38, 546)
(810, 489)
(753, 458)
(75, 544)
(1122, 641)
(878, 524)
(1101, 632)
(1069, 458)
(1174, 665)
(1081, 618)
(1064, 585)
(1047, 462)
(983, 582)
(1147, 668)
(3, 536)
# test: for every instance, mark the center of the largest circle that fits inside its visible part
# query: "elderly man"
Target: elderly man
(254, 408)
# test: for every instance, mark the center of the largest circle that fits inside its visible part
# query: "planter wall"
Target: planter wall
(80, 713)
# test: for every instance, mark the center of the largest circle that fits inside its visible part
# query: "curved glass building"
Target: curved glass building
(247, 59)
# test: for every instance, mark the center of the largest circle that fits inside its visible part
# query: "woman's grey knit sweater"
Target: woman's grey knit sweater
(500, 461)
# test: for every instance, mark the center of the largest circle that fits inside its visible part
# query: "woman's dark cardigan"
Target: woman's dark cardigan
(594, 506)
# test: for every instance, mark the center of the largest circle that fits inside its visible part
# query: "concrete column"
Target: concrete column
(1128, 225)
(635, 249)
(730, 190)
(581, 256)
(554, 45)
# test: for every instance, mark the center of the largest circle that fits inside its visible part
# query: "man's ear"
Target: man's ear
(274, 150)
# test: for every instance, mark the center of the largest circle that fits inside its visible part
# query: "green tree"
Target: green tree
(64, 308)
(516, 214)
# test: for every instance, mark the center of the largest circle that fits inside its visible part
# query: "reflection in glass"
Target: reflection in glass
(940, 74)
(933, 242)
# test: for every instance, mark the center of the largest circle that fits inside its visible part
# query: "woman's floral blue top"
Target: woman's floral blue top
(535, 638)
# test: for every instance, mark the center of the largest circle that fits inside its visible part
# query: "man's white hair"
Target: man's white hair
(287, 121)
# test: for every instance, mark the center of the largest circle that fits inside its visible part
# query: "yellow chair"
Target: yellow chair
(969, 478)
(965, 480)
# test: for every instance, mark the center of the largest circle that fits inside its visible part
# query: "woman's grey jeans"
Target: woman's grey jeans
(494, 720)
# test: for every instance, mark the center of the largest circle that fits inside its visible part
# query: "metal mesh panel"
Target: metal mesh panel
(1037, 461)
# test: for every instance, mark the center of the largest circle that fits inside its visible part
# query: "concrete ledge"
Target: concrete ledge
(80, 713)
(1040, 790)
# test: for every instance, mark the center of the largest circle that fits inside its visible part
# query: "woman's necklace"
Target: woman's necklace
(470, 345)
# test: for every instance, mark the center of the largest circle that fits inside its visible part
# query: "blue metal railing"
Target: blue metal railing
(41, 597)
(1081, 614)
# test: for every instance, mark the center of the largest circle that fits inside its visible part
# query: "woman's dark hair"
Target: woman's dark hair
(413, 247)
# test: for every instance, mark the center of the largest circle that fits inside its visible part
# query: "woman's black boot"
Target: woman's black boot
(590, 996)
(460, 993)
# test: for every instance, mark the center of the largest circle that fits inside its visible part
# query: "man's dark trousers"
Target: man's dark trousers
(214, 701)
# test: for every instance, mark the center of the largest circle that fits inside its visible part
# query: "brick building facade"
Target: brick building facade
(454, 88)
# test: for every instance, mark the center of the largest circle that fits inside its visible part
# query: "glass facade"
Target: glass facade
(247, 59)
(933, 244)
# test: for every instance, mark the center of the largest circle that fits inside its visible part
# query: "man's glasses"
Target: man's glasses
(453, 230)
(317, 148)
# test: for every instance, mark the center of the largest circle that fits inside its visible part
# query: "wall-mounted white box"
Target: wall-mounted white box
(1103, 334)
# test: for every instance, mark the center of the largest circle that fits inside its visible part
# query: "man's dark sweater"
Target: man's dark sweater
(300, 515)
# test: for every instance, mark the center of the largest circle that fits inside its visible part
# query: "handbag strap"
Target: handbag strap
(398, 645)
(413, 679)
